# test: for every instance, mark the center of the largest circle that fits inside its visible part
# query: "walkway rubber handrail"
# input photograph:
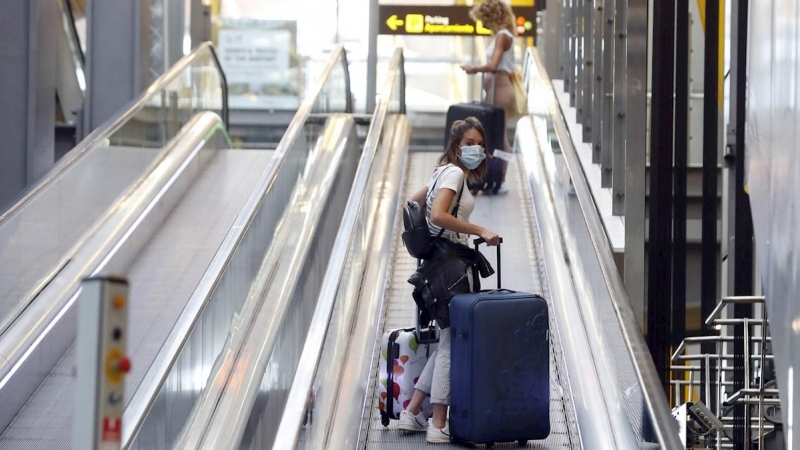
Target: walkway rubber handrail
(98, 136)
(142, 402)
(294, 413)
(113, 124)
(40, 336)
(92, 141)
(652, 392)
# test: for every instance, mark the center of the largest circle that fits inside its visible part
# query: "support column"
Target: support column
(681, 163)
(659, 277)
(588, 81)
(28, 66)
(372, 56)
(176, 26)
(632, 132)
(740, 225)
(116, 58)
(553, 37)
(200, 23)
(708, 278)
(568, 50)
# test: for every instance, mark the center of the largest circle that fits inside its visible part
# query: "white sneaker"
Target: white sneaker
(412, 423)
(503, 189)
(437, 435)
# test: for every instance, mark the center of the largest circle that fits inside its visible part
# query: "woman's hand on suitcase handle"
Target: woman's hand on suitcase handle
(490, 237)
(479, 241)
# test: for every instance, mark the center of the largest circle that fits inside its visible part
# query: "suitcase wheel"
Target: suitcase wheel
(522, 443)
(384, 419)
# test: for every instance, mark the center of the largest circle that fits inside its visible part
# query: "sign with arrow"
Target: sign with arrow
(393, 22)
(444, 21)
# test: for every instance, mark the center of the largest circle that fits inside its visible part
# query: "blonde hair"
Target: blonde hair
(496, 15)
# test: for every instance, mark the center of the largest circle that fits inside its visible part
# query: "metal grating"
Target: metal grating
(522, 270)
(162, 278)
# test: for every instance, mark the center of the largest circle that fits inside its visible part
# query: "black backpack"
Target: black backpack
(416, 235)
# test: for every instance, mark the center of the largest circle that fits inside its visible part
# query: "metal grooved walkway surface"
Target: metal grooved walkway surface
(511, 217)
(162, 278)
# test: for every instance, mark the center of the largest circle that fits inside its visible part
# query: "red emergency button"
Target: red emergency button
(124, 365)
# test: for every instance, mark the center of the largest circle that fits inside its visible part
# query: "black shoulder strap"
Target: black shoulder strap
(454, 212)
(428, 194)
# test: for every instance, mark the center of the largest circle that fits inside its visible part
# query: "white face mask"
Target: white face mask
(472, 156)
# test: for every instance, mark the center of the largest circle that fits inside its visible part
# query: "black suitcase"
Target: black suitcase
(500, 366)
(493, 119)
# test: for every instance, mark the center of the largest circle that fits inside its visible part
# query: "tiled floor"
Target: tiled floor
(162, 279)
(511, 217)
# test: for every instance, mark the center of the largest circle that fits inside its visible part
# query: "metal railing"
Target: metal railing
(68, 201)
(42, 334)
(603, 86)
(718, 367)
(221, 293)
(618, 346)
(347, 244)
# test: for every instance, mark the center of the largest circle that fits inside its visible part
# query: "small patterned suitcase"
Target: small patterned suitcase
(398, 378)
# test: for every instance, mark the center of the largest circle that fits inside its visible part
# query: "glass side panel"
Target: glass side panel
(37, 233)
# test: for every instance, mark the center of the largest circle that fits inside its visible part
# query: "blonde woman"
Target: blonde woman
(497, 16)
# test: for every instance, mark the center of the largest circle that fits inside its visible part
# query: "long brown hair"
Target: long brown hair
(496, 15)
(450, 155)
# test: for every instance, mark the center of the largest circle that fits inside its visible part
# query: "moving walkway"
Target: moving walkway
(158, 194)
(604, 391)
(261, 306)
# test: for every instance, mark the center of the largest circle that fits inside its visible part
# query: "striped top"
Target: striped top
(450, 177)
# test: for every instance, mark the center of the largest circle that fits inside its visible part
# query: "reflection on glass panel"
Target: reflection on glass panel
(265, 44)
(37, 233)
(435, 79)
(315, 19)
(189, 374)
(333, 97)
(261, 62)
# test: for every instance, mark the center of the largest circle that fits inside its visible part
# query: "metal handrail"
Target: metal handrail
(142, 402)
(292, 419)
(116, 122)
(743, 395)
(677, 354)
(36, 341)
(95, 138)
(652, 391)
(744, 300)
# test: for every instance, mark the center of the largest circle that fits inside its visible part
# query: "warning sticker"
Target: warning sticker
(112, 429)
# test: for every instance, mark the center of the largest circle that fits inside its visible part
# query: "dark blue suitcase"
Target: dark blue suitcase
(500, 366)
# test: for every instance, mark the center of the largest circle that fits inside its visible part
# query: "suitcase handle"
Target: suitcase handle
(480, 241)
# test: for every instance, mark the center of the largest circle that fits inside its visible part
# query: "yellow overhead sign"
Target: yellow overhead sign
(443, 20)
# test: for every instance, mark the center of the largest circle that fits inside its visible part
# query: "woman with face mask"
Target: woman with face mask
(463, 159)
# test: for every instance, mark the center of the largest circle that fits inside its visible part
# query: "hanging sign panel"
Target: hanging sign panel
(444, 21)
